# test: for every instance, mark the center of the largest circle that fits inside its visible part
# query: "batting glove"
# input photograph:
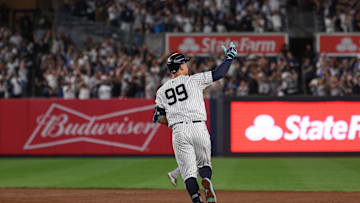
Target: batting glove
(158, 113)
(231, 52)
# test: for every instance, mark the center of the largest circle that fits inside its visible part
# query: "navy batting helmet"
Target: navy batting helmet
(175, 60)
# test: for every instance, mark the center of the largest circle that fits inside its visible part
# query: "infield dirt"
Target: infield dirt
(166, 196)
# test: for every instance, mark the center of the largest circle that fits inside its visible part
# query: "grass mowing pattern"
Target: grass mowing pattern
(268, 174)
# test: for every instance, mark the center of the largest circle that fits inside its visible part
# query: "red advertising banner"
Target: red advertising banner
(205, 44)
(275, 126)
(340, 44)
(80, 127)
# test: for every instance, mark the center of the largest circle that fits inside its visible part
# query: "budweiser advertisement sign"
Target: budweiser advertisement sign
(295, 127)
(341, 44)
(205, 44)
(81, 127)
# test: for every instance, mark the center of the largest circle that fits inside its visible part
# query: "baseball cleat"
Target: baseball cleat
(172, 179)
(209, 190)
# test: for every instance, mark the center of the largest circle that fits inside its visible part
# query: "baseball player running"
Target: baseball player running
(180, 105)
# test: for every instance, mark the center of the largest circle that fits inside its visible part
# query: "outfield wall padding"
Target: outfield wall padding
(82, 127)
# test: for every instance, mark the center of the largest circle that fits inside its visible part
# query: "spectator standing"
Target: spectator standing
(127, 17)
(84, 92)
(3, 89)
(104, 91)
(330, 23)
(276, 21)
(68, 90)
(16, 86)
(356, 88)
(243, 89)
(16, 39)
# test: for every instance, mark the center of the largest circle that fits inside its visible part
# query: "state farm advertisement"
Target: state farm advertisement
(80, 127)
(338, 44)
(274, 126)
(205, 44)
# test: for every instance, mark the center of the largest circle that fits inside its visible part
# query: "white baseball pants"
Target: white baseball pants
(192, 147)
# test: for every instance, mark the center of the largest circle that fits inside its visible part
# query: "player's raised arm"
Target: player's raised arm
(205, 79)
(221, 70)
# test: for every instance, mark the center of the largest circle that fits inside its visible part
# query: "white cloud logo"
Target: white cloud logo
(264, 127)
(189, 45)
(346, 45)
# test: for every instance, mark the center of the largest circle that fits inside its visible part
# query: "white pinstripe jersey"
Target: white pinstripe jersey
(182, 97)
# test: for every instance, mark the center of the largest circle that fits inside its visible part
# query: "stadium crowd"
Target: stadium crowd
(49, 64)
(338, 15)
(16, 53)
(105, 69)
(330, 76)
(207, 16)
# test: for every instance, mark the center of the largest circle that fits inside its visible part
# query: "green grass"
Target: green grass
(268, 174)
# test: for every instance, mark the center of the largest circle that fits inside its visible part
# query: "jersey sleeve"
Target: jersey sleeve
(203, 79)
(159, 100)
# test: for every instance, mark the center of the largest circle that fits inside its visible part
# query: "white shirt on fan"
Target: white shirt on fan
(104, 92)
(84, 93)
(68, 92)
(16, 85)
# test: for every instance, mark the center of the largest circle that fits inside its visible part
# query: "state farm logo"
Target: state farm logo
(264, 127)
(61, 125)
(346, 44)
(301, 127)
(207, 44)
(189, 45)
(247, 44)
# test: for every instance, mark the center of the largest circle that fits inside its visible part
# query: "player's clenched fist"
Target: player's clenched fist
(231, 51)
